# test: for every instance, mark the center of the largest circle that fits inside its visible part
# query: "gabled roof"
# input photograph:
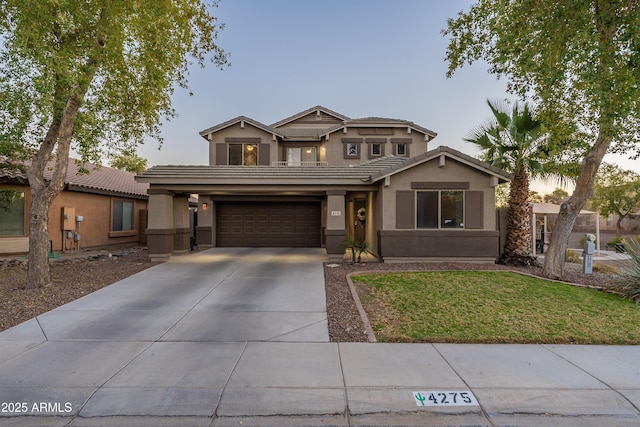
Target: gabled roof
(100, 179)
(315, 133)
(380, 122)
(408, 163)
(237, 120)
(309, 111)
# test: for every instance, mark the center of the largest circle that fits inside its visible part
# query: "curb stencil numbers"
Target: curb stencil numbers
(445, 398)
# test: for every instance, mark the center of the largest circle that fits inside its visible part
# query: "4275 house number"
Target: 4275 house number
(445, 398)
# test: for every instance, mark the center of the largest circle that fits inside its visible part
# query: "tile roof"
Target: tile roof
(100, 179)
(266, 174)
(11, 170)
(103, 178)
(363, 173)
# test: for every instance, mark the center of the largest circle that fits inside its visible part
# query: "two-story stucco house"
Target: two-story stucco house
(318, 177)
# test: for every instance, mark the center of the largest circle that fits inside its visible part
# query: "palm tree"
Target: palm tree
(516, 141)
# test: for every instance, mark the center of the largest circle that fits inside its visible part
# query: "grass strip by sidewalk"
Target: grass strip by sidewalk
(493, 307)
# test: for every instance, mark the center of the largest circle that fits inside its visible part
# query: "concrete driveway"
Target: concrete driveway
(218, 295)
(232, 337)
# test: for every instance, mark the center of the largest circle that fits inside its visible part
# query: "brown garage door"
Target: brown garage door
(268, 224)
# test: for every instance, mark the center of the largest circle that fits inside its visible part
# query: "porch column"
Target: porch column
(204, 229)
(160, 230)
(336, 230)
(181, 224)
(370, 228)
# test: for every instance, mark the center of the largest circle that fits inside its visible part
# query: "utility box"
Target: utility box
(68, 218)
(587, 253)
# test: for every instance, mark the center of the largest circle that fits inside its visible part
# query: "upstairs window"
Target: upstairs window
(376, 149)
(243, 154)
(401, 149)
(351, 147)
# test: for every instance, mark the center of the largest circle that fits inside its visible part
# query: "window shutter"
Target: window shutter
(474, 210)
(405, 209)
(221, 153)
(264, 154)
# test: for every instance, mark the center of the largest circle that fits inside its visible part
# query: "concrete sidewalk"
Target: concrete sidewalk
(239, 337)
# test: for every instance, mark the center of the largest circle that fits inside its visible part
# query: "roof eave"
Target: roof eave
(235, 121)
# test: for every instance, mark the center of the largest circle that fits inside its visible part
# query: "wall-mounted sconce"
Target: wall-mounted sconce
(205, 206)
(308, 150)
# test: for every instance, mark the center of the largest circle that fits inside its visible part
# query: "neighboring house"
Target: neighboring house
(318, 177)
(101, 208)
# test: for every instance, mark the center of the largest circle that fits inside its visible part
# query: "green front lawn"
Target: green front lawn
(493, 307)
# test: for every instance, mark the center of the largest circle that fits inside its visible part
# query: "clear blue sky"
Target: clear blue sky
(357, 57)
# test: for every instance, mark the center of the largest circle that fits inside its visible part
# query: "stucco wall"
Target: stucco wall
(249, 131)
(94, 229)
(452, 171)
(335, 146)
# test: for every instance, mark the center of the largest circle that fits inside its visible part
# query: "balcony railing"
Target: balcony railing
(300, 164)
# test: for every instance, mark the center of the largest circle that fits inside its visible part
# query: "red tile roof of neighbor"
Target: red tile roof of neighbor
(100, 179)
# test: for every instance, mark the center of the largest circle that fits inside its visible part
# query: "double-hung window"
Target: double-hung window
(440, 209)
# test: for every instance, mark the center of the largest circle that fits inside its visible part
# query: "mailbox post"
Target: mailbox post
(587, 253)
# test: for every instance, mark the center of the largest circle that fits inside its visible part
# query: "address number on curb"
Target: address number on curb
(445, 398)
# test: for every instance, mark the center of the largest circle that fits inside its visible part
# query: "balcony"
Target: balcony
(304, 164)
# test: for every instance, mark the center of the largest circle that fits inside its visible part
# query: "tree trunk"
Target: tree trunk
(619, 225)
(569, 210)
(38, 274)
(43, 193)
(517, 248)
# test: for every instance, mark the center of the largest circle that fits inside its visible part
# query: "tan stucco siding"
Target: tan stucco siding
(452, 171)
(96, 210)
(94, 229)
(335, 145)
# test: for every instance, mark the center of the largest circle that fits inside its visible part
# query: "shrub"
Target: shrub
(616, 240)
(630, 271)
(572, 257)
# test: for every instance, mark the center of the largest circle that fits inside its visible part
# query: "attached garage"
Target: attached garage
(268, 224)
